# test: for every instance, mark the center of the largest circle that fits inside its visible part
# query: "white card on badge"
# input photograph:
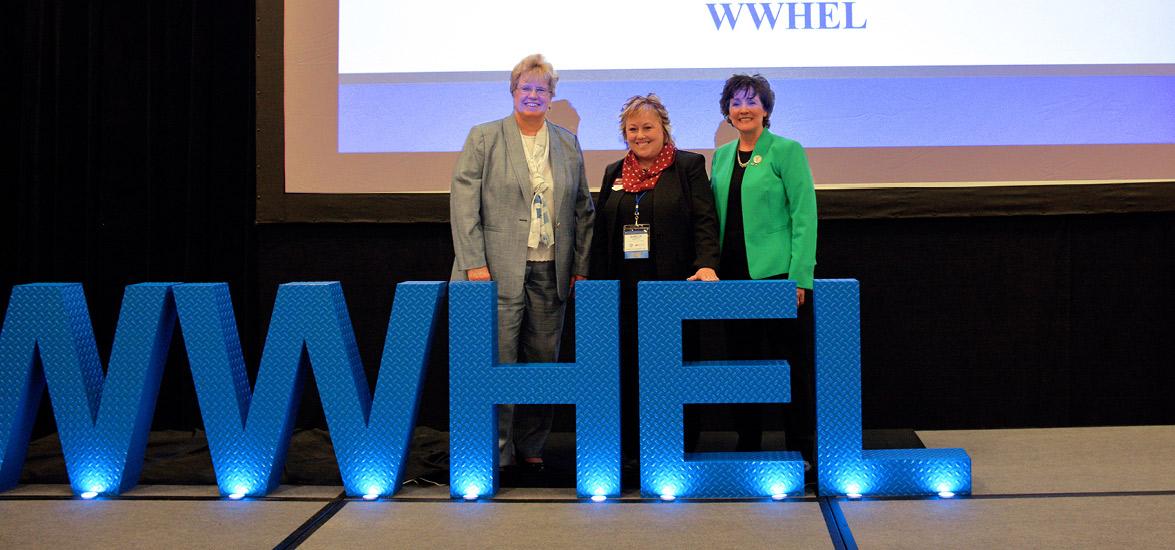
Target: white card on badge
(636, 241)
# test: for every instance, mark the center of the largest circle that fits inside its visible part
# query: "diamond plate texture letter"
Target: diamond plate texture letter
(249, 430)
(102, 419)
(844, 468)
(667, 384)
(478, 383)
(372, 439)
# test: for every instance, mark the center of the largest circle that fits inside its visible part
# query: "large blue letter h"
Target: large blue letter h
(478, 383)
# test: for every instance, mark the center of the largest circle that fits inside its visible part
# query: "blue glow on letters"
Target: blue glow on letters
(843, 466)
(666, 384)
(478, 383)
(102, 419)
(249, 431)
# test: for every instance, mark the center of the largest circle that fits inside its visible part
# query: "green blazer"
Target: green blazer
(779, 207)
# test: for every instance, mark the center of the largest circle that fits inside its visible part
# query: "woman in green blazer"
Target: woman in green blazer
(767, 229)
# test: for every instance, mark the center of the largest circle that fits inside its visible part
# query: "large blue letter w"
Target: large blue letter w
(249, 431)
(103, 419)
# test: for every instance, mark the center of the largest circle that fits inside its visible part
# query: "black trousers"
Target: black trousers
(630, 371)
(790, 339)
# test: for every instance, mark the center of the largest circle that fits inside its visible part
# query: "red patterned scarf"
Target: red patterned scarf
(636, 179)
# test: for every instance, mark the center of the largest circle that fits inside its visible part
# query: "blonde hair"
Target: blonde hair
(534, 63)
(646, 103)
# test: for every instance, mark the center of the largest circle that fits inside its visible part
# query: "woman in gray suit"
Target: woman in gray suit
(521, 215)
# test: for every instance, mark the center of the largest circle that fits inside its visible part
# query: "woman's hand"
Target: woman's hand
(575, 279)
(704, 274)
(801, 296)
(478, 273)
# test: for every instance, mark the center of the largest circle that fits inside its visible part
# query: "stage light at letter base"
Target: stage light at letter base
(666, 385)
(478, 384)
(47, 340)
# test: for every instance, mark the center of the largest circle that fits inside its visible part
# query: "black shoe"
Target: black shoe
(531, 474)
(630, 474)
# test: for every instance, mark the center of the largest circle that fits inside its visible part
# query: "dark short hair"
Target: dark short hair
(759, 88)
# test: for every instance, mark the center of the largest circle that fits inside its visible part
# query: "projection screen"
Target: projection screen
(379, 95)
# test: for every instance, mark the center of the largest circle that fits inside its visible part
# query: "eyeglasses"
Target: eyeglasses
(527, 89)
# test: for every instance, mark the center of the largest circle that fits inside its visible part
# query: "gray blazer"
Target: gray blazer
(489, 206)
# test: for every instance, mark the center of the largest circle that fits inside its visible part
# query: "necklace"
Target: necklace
(738, 157)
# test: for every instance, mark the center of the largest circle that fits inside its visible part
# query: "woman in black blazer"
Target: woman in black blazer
(658, 199)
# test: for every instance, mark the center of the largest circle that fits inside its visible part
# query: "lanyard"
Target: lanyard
(636, 211)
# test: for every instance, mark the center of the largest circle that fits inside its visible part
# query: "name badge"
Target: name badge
(636, 241)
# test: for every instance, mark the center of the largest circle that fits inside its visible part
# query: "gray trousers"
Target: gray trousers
(529, 328)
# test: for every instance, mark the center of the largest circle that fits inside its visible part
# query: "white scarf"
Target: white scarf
(541, 231)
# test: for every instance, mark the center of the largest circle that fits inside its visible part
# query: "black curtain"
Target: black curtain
(130, 156)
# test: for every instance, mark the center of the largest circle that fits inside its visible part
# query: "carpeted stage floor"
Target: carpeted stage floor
(1033, 488)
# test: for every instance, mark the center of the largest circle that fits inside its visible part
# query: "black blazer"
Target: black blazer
(684, 226)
